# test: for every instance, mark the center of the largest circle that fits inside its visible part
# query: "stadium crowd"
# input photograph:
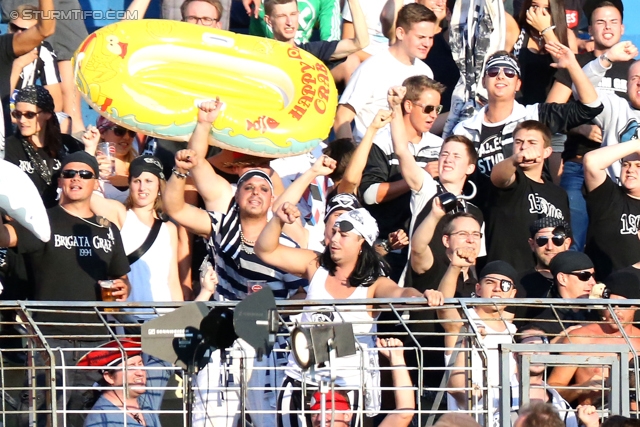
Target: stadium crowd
(519, 181)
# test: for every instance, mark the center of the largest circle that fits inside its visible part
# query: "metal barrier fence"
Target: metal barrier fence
(38, 372)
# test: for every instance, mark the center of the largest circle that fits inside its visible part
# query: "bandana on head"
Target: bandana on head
(361, 222)
(145, 164)
(38, 96)
(342, 201)
(332, 401)
(503, 61)
(255, 172)
(103, 124)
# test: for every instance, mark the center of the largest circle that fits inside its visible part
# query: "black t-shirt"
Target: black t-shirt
(614, 218)
(322, 50)
(16, 154)
(532, 284)
(491, 150)
(68, 267)
(537, 74)
(614, 80)
(512, 210)
(444, 68)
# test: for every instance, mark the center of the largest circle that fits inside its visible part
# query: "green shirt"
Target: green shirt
(324, 12)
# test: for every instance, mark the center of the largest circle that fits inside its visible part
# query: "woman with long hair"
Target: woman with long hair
(150, 242)
(116, 186)
(349, 268)
(38, 146)
(541, 22)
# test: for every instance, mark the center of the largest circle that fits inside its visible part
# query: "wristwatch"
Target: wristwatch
(385, 245)
(603, 57)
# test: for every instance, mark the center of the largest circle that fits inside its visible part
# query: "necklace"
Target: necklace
(100, 219)
(135, 415)
(247, 245)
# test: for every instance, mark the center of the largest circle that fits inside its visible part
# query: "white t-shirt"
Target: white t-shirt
(368, 86)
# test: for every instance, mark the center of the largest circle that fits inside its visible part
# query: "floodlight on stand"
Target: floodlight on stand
(302, 348)
(313, 345)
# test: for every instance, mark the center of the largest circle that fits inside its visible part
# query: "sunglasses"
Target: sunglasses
(344, 226)
(583, 276)
(557, 239)
(428, 109)
(508, 72)
(119, 131)
(535, 339)
(27, 114)
(71, 173)
(505, 285)
(14, 28)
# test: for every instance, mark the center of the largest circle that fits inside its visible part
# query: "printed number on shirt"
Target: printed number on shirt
(539, 205)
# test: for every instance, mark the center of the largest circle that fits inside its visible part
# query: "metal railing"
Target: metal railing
(32, 395)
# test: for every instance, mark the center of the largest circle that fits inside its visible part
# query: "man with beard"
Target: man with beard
(574, 277)
(587, 381)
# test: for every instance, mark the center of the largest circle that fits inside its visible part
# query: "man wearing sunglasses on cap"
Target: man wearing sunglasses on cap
(83, 250)
(549, 237)
(574, 276)
(491, 128)
(587, 382)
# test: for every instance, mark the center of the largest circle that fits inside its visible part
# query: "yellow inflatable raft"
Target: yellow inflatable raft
(150, 75)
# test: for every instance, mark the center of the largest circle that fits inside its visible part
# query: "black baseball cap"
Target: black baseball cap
(569, 261)
(82, 157)
(146, 163)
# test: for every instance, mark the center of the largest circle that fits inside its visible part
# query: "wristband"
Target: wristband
(179, 174)
(550, 27)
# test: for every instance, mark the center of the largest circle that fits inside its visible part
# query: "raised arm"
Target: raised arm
(137, 9)
(421, 256)
(391, 349)
(460, 259)
(323, 166)
(31, 38)
(195, 220)
(409, 168)
(388, 18)
(353, 172)
(597, 161)
(215, 190)
(342, 123)
(504, 173)
(299, 262)
(565, 58)
(361, 33)
(111, 209)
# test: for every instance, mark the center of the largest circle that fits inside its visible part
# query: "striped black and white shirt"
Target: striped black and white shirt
(235, 265)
